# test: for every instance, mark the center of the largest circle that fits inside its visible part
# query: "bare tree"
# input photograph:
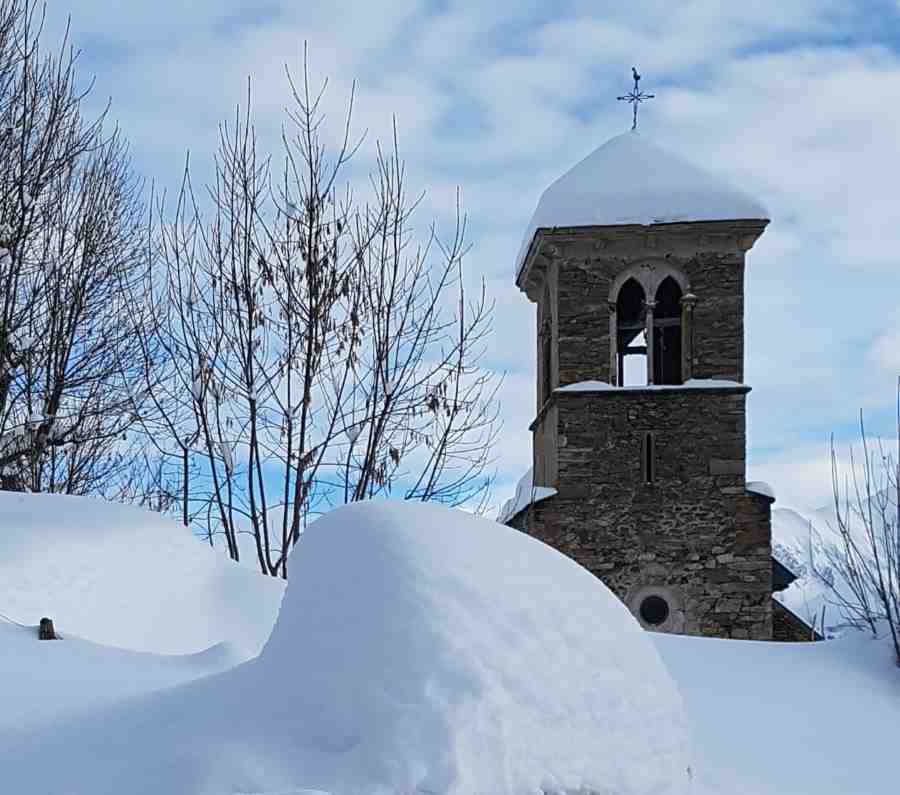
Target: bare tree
(315, 350)
(862, 568)
(71, 256)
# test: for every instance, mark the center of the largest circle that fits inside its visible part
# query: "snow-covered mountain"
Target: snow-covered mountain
(799, 541)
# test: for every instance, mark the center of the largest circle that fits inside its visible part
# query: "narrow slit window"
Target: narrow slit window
(648, 463)
(546, 364)
(545, 340)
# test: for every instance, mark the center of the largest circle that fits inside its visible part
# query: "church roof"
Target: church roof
(631, 180)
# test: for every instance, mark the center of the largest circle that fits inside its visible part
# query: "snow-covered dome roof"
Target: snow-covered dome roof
(630, 180)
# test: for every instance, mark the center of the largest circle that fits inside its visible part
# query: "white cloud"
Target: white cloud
(502, 99)
(885, 352)
(801, 476)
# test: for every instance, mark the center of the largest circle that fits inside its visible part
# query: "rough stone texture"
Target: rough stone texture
(790, 628)
(545, 442)
(694, 535)
(576, 270)
(697, 536)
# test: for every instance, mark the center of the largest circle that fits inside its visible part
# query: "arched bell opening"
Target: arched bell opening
(667, 333)
(631, 337)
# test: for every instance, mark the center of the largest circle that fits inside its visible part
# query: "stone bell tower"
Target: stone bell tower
(635, 260)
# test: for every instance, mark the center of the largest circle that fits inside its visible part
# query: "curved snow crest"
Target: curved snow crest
(631, 180)
(75, 676)
(123, 576)
(419, 649)
(455, 655)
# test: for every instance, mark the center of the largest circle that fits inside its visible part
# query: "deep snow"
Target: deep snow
(123, 576)
(418, 650)
(42, 682)
(789, 718)
(455, 659)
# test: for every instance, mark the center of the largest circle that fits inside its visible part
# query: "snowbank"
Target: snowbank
(418, 650)
(526, 494)
(42, 682)
(630, 180)
(122, 576)
(789, 718)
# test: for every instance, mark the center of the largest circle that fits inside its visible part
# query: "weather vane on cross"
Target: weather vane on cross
(635, 97)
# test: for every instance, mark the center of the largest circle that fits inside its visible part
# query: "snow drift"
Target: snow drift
(418, 650)
(43, 682)
(123, 576)
(789, 718)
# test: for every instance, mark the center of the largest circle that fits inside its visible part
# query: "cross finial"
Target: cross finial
(636, 96)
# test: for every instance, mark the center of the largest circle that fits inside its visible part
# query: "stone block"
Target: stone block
(723, 466)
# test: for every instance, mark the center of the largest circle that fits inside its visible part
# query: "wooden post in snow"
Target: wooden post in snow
(46, 631)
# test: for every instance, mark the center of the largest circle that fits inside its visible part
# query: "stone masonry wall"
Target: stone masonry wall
(789, 628)
(583, 315)
(694, 534)
(581, 268)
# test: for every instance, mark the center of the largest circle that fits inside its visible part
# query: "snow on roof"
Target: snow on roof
(418, 649)
(586, 386)
(631, 180)
(761, 487)
(526, 494)
(693, 383)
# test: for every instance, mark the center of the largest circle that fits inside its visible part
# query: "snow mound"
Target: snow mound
(123, 576)
(446, 653)
(630, 180)
(526, 494)
(418, 650)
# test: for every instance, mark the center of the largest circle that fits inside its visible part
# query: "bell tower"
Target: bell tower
(635, 259)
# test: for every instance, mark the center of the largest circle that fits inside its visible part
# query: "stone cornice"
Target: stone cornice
(630, 391)
(632, 243)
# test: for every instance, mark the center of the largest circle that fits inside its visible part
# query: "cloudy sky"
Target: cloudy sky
(795, 101)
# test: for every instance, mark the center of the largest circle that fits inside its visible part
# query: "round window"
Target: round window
(654, 610)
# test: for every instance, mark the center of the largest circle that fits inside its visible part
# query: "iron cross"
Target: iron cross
(636, 96)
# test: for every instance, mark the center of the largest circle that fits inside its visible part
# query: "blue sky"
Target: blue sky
(794, 101)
